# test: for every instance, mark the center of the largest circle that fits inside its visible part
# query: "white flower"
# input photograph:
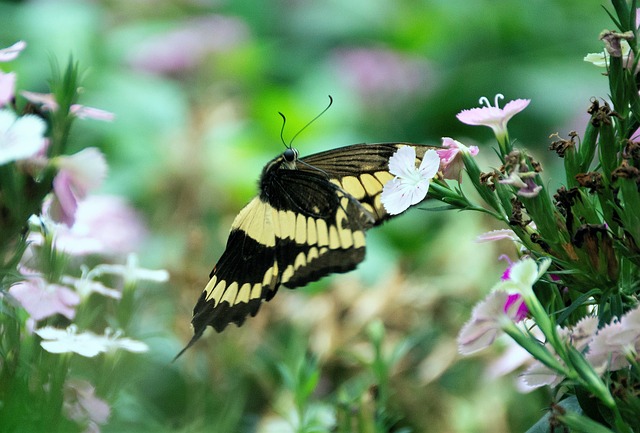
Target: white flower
(20, 137)
(411, 184)
(131, 273)
(10, 53)
(85, 343)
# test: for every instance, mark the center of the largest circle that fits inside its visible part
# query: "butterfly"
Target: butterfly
(308, 220)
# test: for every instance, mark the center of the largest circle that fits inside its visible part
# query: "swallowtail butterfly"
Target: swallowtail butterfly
(308, 221)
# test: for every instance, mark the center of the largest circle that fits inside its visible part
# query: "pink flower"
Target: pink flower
(7, 87)
(451, 162)
(80, 111)
(493, 116)
(82, 406)
(411, 184)
(188, 45)
(42, 300)
(10, 53)
(487, 320)
(20, 137)
(77, 175)
(381, 76)
(496, 235)
(103, 225)
(615, 342)
(579, 336)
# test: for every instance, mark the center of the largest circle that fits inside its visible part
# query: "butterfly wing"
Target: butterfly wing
(306, 223)
(361, 170)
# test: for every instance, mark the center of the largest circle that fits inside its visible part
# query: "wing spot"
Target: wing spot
(353, 186)
(217, 292)
(346, 238)
(358, 239)
(312, 235)
(243, 294)
(256, 291)
(270, 275)
(301, 229)
(383, 176)
(301, 260)
(209, 287)
(334, 238)
(254, 220)
(337, 183)
(230, 294)
(287, 274)
(323, 232)
(371, 184)
(312, 254)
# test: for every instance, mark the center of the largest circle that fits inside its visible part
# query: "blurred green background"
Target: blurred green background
(196, 86)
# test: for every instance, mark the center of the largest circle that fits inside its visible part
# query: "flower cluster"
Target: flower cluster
(49, 223)
(571, 300)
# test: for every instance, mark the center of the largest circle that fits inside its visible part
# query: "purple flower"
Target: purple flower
(42, 300)
(20, 137)
(451, 162)
(77, 175)
(10, 53)
(411, 183)
(493, 116)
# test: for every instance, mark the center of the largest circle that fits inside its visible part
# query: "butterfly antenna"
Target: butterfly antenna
(284, 122)
(284, 119)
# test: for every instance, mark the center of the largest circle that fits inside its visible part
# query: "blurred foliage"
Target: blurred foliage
(196, 86)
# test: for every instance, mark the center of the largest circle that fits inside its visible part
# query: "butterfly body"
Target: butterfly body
(307, 221)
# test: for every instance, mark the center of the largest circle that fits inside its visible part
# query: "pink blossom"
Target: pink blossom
(82, 406)
(579, 336)
(77, 175)
(80, 111)
(496, 235)
(382, 76)
(487, 320)
(187, 45)
(451, 162)
(7, 87)
(42, 300)
(103, 225)
(12, 52)
(493, 116)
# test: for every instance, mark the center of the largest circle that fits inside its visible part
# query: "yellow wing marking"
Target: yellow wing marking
(323, 233)
(352, 185)
(301, 229)
(256, 291)
(301, 260)
(312, 233)
(383, 176)
(244, 293)
(255, 220)
(371, 185)
(230, 294)
(334, 239)
(217, 292)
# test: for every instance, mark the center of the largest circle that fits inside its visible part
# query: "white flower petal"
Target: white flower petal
(403, 162)
(20, 137)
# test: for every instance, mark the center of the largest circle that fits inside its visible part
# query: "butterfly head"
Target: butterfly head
(289, 158)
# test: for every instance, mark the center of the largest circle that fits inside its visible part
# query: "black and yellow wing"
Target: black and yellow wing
(307, 222)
